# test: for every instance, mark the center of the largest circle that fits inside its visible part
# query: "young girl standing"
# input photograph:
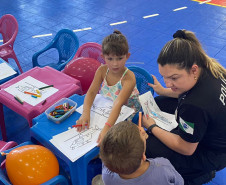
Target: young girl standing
(116, 81)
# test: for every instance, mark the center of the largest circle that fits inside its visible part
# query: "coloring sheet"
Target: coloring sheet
(30, 84)
(75, 144)
(6, 71)
(101, 109)
(164, 120)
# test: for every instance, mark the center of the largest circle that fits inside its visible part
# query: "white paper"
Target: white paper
(30, 84)
(101, 110)
(164, 120)
(6, 71)
(75, 144)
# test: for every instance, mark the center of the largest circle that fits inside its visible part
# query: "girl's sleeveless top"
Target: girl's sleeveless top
(113, 91)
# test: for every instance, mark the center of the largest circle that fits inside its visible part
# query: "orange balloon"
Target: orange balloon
(31, 165)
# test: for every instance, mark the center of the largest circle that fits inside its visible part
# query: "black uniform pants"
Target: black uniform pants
(190, 167)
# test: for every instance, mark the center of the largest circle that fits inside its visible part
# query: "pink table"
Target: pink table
(66, 86)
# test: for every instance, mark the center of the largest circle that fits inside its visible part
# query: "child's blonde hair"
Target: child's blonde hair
(115, 44)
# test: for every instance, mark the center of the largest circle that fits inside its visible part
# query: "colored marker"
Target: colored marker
(79, 125)
(38, 91)
(45, 87)
(19, 100)
(37, 95)
(43, 102)
(26, 92)
(140, 115)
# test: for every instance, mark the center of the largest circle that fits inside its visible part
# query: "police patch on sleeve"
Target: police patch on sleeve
(186, 126)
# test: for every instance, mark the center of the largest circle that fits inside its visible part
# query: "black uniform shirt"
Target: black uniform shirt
(201, 113)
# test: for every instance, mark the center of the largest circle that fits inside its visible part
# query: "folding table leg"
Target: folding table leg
(2, 123)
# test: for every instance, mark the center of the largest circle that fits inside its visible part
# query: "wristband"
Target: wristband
(108, 124)
(151, 127)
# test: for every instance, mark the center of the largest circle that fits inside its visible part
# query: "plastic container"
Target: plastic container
(66, 115)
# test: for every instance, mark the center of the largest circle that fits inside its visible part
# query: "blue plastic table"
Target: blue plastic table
(9, 77)
(44, 129)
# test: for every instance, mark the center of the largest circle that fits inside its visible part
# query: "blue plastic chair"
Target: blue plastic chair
(59, 179)
(142, 79)
(66, 43)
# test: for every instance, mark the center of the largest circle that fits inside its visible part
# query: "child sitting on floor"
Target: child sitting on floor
(122, 152)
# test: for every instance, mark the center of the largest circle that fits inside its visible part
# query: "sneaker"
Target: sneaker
(97, 180)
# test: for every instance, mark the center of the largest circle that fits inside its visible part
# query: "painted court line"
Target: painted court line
(83, 29)
(180, 8)
(148, 16)
(44, 35)
(50, 34)
(116, 23)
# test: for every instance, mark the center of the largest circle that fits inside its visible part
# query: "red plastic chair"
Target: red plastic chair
(82, 69)
(90, 50)
(5, 146)
(9, 30)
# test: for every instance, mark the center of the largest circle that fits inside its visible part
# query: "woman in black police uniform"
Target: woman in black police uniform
(196, 89)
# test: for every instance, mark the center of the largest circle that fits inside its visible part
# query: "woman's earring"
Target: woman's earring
(195, 78)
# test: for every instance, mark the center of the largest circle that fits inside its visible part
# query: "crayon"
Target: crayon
(45, 87)
(38, 91)
(44, 102)
(32, 93)
(140, 115)
(79, 125)
(19, 100)
(37, 95)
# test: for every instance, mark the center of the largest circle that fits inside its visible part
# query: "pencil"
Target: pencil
(45, 87)
(26, 92)
(19, 100)
(44, 102)
(79, 125)
(140, 115)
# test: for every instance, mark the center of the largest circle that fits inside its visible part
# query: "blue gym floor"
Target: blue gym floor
(146, 36)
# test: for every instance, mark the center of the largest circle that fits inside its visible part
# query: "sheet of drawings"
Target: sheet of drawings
(75, 144)
(101, 109)
(164, 120)
(30, 84)
(6, 71)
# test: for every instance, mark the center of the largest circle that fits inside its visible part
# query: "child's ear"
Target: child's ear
(128, 55)
(144, 157)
